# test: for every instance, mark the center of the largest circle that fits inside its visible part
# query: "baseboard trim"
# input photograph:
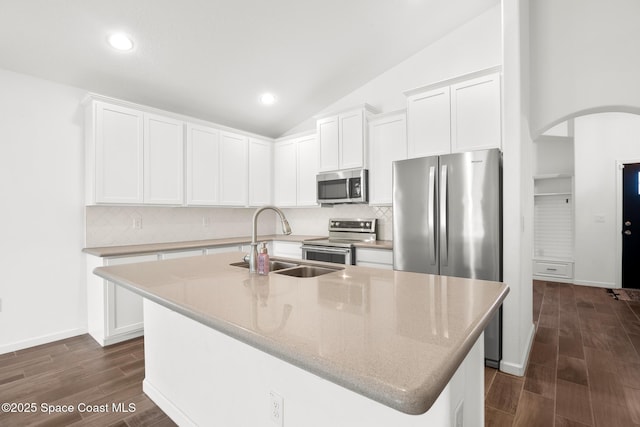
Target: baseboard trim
(166, 405)
(608, 285)
(520, 368)
(44, 339)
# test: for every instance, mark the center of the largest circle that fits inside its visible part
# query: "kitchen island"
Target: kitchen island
(356, 346)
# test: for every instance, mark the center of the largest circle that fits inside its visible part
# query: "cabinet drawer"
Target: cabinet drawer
(556, 269)
(378, 256)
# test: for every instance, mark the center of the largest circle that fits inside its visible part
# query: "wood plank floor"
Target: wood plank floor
(584, 366)
(78, 372)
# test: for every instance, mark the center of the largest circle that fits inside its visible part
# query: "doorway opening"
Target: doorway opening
(630, 225)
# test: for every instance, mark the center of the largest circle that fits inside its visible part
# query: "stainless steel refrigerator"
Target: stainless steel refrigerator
(447, 220)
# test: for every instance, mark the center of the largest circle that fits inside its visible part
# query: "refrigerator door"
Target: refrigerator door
(471, 227)
(415, 193)
(470, 215)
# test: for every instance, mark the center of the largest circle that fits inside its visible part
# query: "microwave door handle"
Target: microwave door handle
(326, 250)
(431, 206)
(444, 212)
(347, 182)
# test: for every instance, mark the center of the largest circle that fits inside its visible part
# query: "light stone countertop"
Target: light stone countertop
(109, 251)
(395, 337)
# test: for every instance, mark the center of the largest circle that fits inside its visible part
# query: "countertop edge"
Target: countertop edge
(148, 248)
(413, 402)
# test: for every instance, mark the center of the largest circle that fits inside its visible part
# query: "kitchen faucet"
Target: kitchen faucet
(253, 255)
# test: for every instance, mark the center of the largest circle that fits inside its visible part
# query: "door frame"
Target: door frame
(619, 166)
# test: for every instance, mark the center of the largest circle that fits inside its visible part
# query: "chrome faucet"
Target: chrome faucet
(253, 255)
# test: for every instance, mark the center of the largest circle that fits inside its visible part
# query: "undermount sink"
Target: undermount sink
(307, 271)
(292, 269)
(273, 265)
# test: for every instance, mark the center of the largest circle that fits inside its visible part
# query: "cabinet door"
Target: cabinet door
(351, 139)
(203, 166)
(124, 308)
(307, 171)
(475, 114)
(428, 123)
(327, 130)
(234, 169)
(119, 154)
(260, 172)
(285, 173)
(163, 165)
(388, 142)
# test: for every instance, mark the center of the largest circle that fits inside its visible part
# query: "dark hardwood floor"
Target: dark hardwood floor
(584, 370)
(98, 383)
(584, 366)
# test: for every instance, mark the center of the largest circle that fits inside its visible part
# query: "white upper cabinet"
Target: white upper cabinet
(234, 169)
(115, 154)
(260, 172)
(163, 160)
(327, 129)
(203, 165)
(429, 123)
(388, 142)
(461, 116)
(475, 114)
(351, 139)
(133, 157)
(342, 140)
(307, 148)
(285, 173)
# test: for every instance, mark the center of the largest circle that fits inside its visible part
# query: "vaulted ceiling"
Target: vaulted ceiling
(212, 59)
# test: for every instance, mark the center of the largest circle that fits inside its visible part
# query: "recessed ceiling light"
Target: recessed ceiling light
(120, 41)
(267, 99)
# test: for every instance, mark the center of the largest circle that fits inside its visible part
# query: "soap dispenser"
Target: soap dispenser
(263, 260)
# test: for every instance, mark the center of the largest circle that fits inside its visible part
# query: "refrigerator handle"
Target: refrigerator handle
(431, 213)
(444, 211)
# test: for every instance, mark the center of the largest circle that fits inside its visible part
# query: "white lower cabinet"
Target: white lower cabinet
(376, 258)
(553, 270)
(114, 313)
(287, 249)
(180, 254)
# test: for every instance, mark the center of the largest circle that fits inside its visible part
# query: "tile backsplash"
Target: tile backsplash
(130, 225)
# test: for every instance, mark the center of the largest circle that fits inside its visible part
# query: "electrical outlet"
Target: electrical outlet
(276, 408)
(137, 223)
(0, 305)
(206, 221)
(599, 218)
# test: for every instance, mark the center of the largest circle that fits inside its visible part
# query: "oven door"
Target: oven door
(336, 255)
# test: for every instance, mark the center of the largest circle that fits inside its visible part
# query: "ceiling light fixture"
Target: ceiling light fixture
(120, 41)
(267, 99)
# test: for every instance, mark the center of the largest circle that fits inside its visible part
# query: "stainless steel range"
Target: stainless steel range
(343, 233)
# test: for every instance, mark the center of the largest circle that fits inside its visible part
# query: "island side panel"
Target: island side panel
(200, 376)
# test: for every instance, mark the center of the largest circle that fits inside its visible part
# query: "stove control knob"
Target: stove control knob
(336, 223)
(368, 224)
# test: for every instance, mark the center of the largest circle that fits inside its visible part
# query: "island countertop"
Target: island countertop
(395, 337)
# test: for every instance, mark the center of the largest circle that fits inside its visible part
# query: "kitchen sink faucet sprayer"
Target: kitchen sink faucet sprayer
(253, 255)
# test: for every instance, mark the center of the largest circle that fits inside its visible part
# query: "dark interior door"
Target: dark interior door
(631, 226)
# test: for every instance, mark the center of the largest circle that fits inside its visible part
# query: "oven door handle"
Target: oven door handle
(324, 249)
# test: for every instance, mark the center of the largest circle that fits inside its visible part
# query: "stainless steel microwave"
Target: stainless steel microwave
(345, 186)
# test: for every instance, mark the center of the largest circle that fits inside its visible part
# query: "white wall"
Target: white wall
(471, 47)
(582, 58)
(600, 141)
(41, 173)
